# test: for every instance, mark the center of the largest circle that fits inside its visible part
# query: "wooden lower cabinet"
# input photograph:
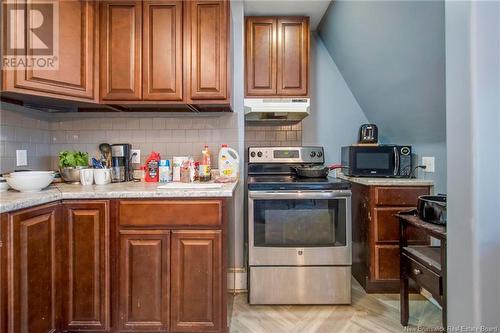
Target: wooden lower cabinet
(85, 274)
(32, 257)
(64, 266)
(375, 233)
(196, 281)
(144, 280)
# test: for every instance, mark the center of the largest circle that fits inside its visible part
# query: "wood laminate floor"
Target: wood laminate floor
(375, 313)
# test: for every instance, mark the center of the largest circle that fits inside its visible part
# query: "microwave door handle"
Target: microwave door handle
(396, 161)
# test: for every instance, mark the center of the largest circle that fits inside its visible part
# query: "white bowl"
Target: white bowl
(3, 185)
(30, 181)
(30, 173)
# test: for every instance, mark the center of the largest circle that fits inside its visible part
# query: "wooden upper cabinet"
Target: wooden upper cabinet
(144, 280)
(75, 74)
(207, 37)
(32, 270)
(293, 56)
(197, 281)
(277, 56)
(85, 265)
(260, 53)
(121, 42)
(162, 50)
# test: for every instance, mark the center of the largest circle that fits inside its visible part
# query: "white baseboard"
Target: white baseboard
(237, 280)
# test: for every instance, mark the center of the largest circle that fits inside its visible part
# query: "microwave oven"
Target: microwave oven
(377, 161)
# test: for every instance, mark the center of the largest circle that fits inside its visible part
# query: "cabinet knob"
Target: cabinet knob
(417, 271)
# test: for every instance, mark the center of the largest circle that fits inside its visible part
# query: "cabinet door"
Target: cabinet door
(120, 35)
(260, 53)
(73, 75)
(33, 261)
(207, 39)
(293, 56)
(196, 281)
(387, 262)
(144, 280)
(162, 50)
(85, 265)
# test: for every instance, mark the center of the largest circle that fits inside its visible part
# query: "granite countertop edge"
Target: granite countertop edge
(12, 200)
(371, 181)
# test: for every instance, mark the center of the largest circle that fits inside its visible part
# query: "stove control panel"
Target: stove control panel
(286, 155)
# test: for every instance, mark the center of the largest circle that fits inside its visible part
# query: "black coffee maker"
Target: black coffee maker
(121, 166)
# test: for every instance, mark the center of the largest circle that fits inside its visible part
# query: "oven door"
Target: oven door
(293, 228)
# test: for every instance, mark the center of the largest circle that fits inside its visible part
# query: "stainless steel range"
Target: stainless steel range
(299, 230)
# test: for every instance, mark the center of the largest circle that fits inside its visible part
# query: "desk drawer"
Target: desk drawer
(160, 213)
(398, 195)
(422, 275)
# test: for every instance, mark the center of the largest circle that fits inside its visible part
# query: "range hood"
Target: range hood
(274, 110)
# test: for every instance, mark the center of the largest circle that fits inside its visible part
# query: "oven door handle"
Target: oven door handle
(299, 194)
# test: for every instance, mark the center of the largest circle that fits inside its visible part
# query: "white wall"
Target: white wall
(237, 275)
(473, 119)
(335, 114)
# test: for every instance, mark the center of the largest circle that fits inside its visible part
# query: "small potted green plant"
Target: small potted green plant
(70, 163)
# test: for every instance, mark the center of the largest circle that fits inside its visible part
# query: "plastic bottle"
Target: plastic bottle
(164, 171)
(229, 162)
(152, 164)
(204, 171)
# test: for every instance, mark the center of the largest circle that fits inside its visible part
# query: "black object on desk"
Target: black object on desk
(426, 265)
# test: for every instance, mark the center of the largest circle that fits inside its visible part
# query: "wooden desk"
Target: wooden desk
(426, 265)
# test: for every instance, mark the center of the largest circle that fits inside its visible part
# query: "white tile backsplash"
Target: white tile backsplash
(23, 131)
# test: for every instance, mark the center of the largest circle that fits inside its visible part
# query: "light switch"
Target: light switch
(21, 158)
(429, 164)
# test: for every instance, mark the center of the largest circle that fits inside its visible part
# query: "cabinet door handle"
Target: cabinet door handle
(417, 271)
(369, 216)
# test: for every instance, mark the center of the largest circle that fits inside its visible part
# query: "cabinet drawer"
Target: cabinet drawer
(386, 262)
(398, 196)
(171, 213)
(422, 275)
(387, 227)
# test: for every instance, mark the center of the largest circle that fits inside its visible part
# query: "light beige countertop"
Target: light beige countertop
(371, 181)
(13, 200)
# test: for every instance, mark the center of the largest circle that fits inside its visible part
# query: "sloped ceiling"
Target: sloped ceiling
(392, 56)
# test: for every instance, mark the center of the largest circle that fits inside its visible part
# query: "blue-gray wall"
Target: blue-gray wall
(335, 114)
(392, 57)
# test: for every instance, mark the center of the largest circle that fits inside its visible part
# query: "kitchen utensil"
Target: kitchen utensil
(30, 181)
(368, 133)
(71, 174)
(102, 176)
(96, 164)
(105, 149)
(316, 171)
(87, 176)
(432, 208)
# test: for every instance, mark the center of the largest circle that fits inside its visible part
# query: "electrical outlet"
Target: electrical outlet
(429, 164)
(21, 158)
(136, 155)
